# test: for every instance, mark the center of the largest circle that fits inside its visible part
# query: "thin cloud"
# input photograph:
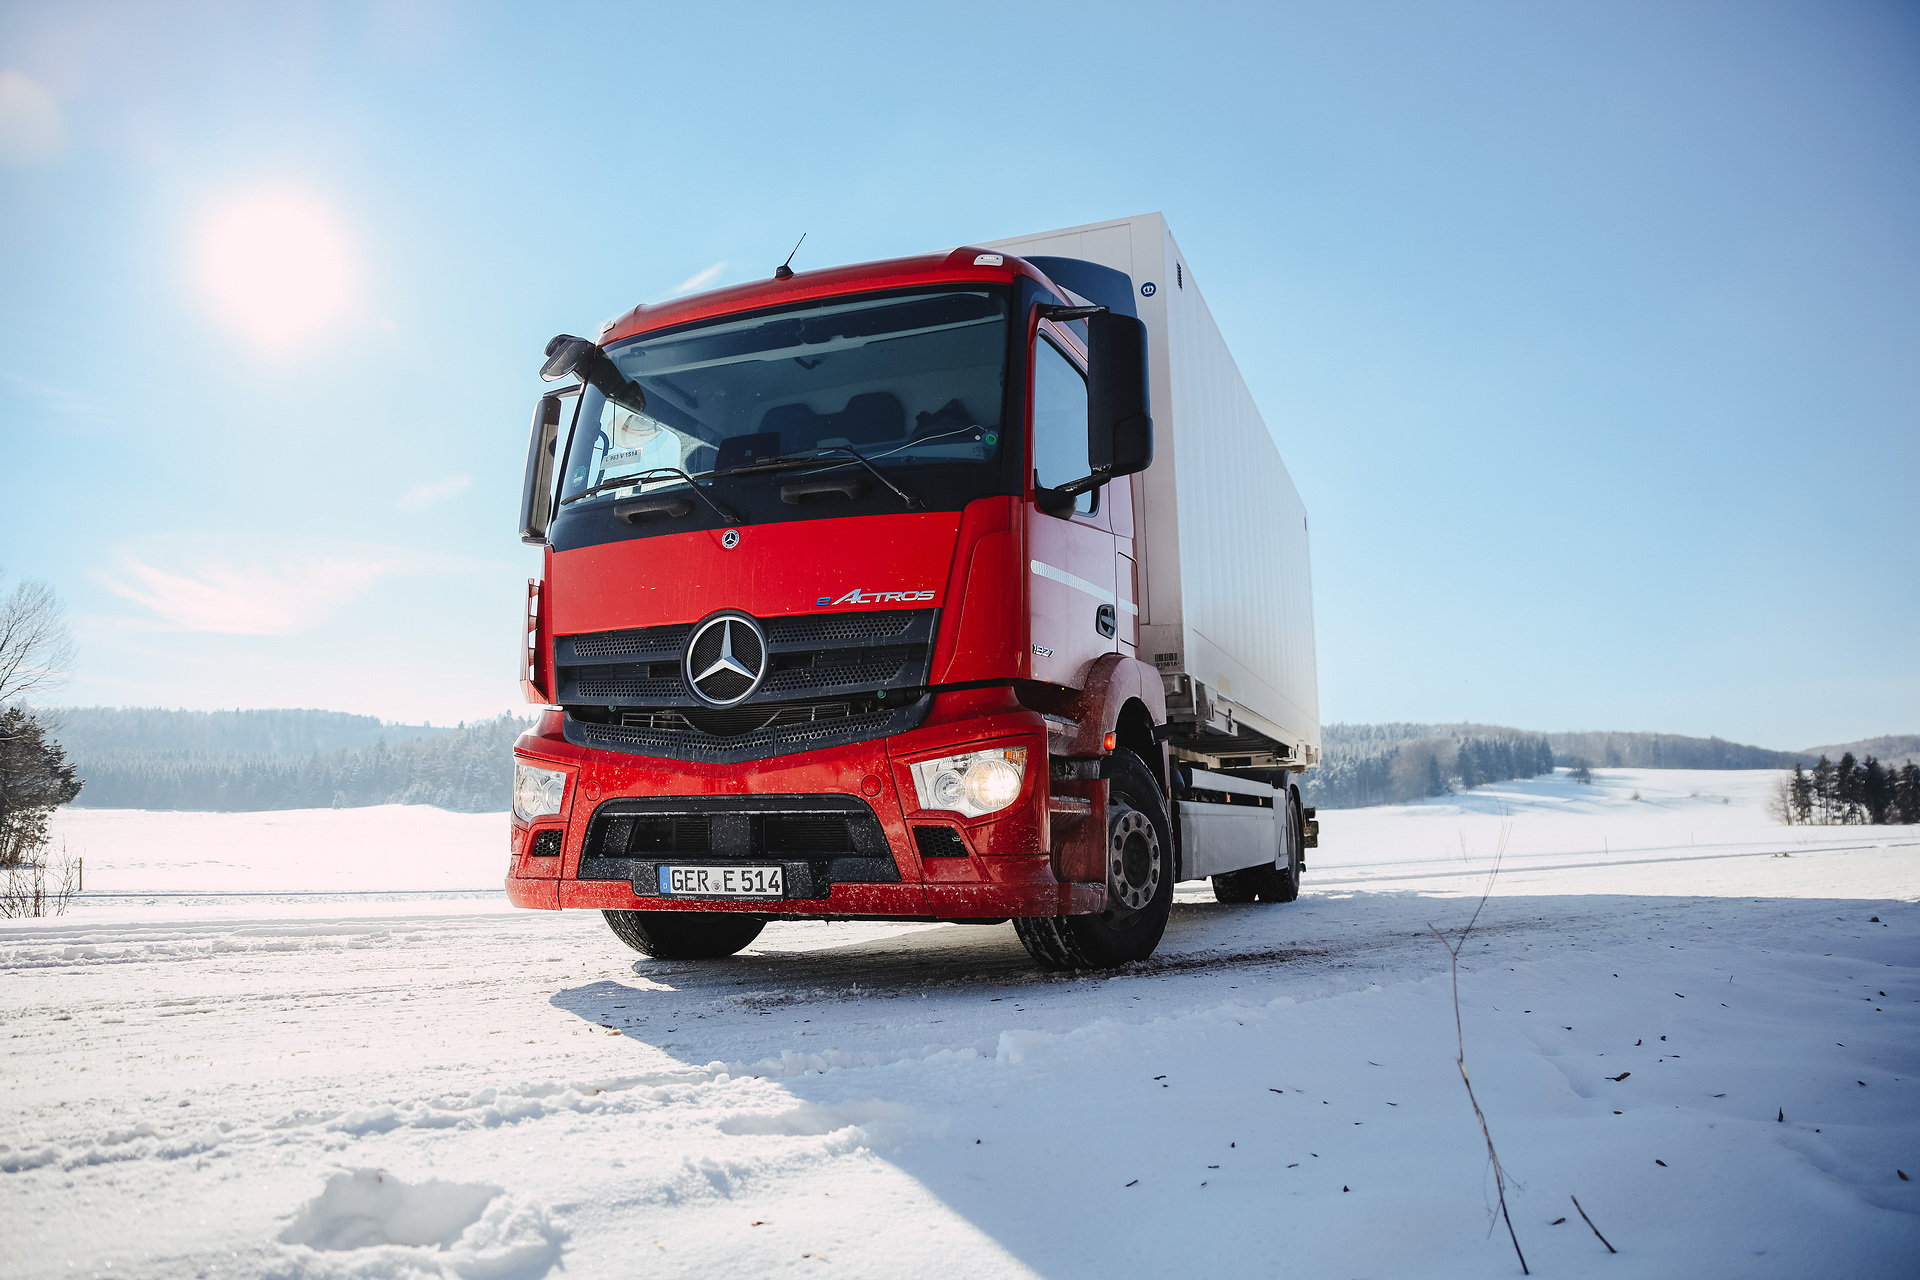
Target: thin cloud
(271, 593)
(699, 279)
(422, 496)
(63, 400)
(31, 129)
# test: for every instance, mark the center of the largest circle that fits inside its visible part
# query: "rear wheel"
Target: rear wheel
(684, 935)
(1279, 882)
(1139, 881)
(1236, 886)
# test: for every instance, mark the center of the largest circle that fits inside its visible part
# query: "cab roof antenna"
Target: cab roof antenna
(783, 271)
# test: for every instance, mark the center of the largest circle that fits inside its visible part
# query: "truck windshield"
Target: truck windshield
(912, 382)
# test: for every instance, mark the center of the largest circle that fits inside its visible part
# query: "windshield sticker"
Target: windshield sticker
(857, 596)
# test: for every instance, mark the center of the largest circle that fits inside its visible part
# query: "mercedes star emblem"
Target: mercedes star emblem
(726, 659)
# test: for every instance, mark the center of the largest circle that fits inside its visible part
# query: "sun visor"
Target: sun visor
(1097, 284)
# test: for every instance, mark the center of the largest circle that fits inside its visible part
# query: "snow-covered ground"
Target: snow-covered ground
(354, 1061)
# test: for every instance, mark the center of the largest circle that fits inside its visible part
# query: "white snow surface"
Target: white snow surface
(319, 1044)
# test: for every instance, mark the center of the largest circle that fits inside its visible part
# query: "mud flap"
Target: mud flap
(1079, 832)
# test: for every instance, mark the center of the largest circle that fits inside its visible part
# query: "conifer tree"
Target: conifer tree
(1471, 775)
(1908, 793)
(1800, 796)
(1825, 798)
(1848, 785)
(1876, 795)
(35, 779)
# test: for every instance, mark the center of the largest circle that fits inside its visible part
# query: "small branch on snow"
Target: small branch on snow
(1589, 1221)
(1460, 1059)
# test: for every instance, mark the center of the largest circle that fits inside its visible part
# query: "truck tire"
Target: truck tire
(1139, 881)
(1236, 886)
(1281, 881)
(1277, 883)
(684, 935)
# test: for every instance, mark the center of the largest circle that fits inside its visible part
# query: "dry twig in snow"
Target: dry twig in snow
(1589, 1221)
(1460, 1059)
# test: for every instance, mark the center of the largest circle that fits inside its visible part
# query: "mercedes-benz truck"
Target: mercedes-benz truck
(965, 587)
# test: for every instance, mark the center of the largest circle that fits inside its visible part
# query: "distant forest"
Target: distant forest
(1849, 793)
(1664, 751)
(94, 732)
(235, 761)
(1369, 764)
(468, 769)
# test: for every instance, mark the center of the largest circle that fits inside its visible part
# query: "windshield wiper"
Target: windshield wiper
(791, 461)
(640, 477)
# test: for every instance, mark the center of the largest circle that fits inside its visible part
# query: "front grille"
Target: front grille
(730, 722)
(774, 740)
(824, 628)
(656, 833)
(820, 840)
(805, 833)
(547, 844)
(646, 641)
(828, 684)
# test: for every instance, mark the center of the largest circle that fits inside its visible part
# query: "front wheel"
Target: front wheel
(684, 935)
(1139, 881)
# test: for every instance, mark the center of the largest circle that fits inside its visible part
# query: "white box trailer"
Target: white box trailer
(1226, 595)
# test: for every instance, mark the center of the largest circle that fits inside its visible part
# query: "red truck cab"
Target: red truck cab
(838, 616)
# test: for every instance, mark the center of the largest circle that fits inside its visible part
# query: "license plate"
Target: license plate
(722, 882)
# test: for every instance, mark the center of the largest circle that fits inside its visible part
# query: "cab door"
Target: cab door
(1118, 495)
(1074, 613)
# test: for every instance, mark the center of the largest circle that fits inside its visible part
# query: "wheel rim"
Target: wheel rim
(1133, 861)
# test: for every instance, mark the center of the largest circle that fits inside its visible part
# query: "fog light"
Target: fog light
(972, 784)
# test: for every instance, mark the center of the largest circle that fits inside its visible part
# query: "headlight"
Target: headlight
(537, 791)
(973, 784)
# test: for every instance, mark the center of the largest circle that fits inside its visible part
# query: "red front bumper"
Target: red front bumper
(1007, 870)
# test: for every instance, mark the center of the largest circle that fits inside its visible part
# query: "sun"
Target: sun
(277, 266)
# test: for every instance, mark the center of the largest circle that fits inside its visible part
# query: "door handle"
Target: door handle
(1104, 621)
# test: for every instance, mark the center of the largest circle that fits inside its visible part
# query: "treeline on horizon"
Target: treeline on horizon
(1850, 793)
(1397, 762)
(96, 732)
(1364, 765)
(468, 769)
(236, 761)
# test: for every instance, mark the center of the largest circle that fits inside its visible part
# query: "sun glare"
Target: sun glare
(277, 265)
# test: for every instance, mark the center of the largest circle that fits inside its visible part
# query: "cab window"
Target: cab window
(1059, 422)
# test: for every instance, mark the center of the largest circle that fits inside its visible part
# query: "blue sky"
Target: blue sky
(1591, 334)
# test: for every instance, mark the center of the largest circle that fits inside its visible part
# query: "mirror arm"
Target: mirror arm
(1074, 488)
(1058, 500)
(1061, 314)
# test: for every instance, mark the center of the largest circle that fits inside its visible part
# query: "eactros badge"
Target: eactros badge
(726, 659)
(858, 596)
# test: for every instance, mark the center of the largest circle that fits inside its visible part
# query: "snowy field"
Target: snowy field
(354, 1061)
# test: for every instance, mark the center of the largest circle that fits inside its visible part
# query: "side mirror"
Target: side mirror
(1119, 413)
(564, 356)
(583, 359)
(536, 494)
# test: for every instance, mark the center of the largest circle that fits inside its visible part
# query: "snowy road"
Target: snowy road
(204, 1087)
